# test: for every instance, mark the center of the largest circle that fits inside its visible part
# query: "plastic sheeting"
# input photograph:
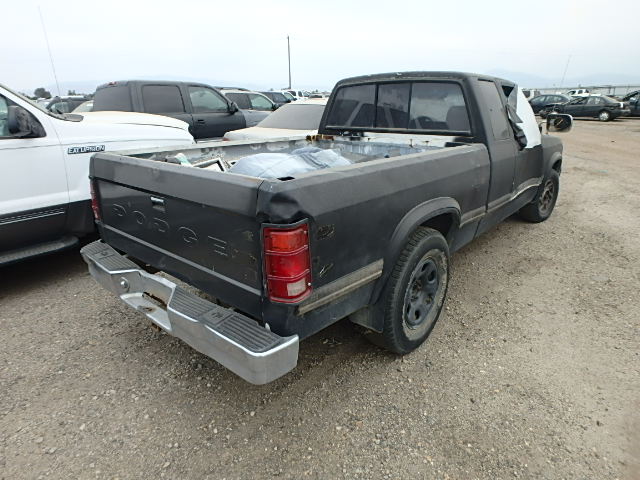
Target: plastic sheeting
(283, 165)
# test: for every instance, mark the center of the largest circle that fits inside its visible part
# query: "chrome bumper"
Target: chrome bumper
(230, 338)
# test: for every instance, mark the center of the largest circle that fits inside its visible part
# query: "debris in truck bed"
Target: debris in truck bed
(282, 165)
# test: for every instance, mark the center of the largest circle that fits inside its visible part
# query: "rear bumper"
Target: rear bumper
(230, 338)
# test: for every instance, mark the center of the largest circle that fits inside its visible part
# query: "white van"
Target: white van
(44, 160)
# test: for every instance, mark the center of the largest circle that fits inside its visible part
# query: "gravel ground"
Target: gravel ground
(532, 371)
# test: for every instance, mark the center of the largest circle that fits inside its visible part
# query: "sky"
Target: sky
(243, 43)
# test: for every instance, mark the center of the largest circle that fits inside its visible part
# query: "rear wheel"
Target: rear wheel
(604, 116)
(542, 206)
(415, 293)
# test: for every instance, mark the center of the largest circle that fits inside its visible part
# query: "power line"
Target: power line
(46, 39)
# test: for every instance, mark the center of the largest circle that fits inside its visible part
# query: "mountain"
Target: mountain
(531, 80)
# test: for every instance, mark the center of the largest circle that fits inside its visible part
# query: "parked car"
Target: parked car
(44, 186)
(278, 97)
(578, 92)
(286, 257)
(299, 94)
(255, 106)
(299, 118)
(65, 104)
(84, 107)
(542, 101)
(208, 112)
(633, 101)
(593, 106)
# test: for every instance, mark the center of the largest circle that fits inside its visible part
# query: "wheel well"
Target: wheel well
(557, 166)
(442, 223)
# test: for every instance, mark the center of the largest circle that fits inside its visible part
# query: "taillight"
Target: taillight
(95, 206)
(287, 263)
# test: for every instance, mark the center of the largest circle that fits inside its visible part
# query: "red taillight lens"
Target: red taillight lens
(287, 263)
(95, 206)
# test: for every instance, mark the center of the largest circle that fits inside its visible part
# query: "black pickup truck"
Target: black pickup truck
(208, 113)
(436, 159)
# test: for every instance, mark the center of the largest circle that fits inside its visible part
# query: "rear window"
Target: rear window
(429, 106)
(353, 107)
(116, 98)
(162, 99)
(295, 116)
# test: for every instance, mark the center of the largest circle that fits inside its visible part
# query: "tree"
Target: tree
(71, 92)
(41, 93)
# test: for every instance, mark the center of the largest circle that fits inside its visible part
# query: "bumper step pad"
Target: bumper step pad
(229, 337)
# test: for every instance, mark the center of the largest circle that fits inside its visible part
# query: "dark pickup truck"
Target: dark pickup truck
(437, 158)
(208, 113)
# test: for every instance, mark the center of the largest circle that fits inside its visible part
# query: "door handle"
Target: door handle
(200, 121)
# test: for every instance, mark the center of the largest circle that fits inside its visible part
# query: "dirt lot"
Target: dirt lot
(532, 372)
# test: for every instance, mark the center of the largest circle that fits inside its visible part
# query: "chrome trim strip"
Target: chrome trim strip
(524, 186)
(342, 286)
(31, 216)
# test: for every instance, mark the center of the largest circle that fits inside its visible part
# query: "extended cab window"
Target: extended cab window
(113, 98)
(495, 109)
(162, 99)
(206, 100)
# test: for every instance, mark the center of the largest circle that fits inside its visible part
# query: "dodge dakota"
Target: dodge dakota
(433, 159)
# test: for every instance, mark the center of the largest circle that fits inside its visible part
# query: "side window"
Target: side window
(241, 99)
(438, 106)
(594, 101)
(206, 100)
(578, 101)
(495, 109)
(353, 107)
(162, 99)
(258, 102)
(4, 109)
(392, 109)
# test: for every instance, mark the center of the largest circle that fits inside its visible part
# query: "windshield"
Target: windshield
(65, 116)
(295, 117)
(288, 96)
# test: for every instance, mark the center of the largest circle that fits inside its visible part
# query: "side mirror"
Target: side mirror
(233, 107)
(21, 124)
(559, 122)
(274, 106)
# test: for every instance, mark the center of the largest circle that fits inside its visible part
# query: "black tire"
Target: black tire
(415, 292)
(604, 116)
(542, 206)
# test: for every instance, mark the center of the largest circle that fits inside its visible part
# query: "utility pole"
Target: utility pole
(46, 39)
(289, 57)
(565, 71)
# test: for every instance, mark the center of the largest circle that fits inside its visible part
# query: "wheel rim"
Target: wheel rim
(545, 203)
(423, 293)
(604, 116)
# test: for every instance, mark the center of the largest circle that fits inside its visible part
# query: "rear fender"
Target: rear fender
(372, 316)
(416, 217)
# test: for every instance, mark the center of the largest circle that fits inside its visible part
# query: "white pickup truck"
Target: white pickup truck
(44, 160)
